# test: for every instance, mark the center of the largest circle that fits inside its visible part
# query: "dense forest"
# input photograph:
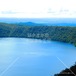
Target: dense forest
(68, 71)
(56, 33)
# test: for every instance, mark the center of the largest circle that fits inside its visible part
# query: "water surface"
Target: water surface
(29, 57)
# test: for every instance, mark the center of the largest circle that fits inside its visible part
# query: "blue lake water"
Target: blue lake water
(29, 57)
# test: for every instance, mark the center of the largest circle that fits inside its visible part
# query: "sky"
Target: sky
(38, 8)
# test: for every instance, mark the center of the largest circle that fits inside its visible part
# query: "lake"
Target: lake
(32, 57)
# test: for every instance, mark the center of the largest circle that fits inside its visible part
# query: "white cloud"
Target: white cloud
(38, 8)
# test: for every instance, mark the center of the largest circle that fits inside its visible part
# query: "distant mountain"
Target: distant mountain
(27, 23)
(41, 21)
(31, 24)
(46, 24)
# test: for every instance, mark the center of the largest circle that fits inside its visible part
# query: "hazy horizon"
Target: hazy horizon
(39, 20)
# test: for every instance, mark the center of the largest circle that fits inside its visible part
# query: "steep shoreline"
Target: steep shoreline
(68, 71)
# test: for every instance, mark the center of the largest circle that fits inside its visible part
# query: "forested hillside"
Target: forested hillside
(56, 33)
